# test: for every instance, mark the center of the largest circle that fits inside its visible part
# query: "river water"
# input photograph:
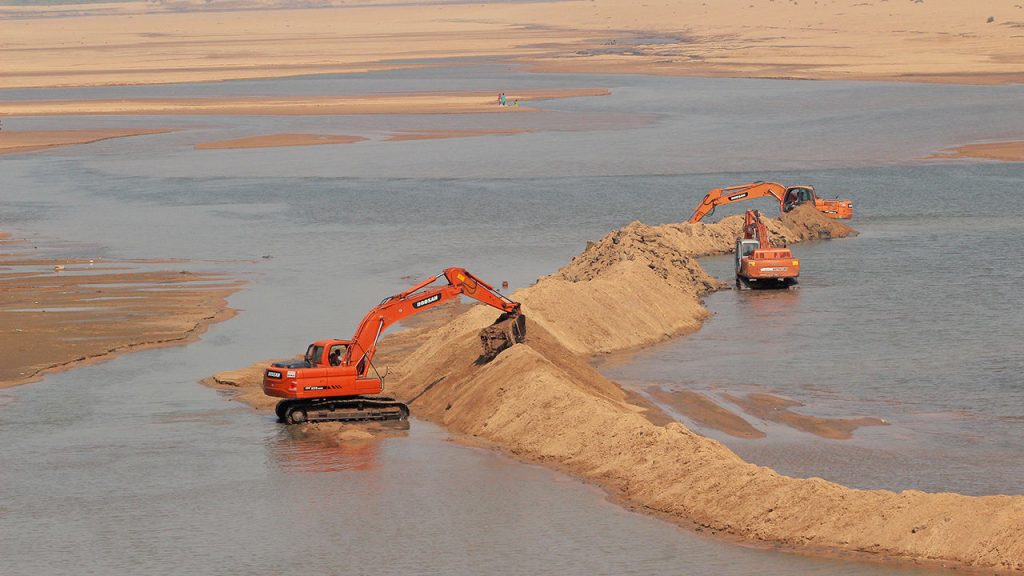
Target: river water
(133, 467)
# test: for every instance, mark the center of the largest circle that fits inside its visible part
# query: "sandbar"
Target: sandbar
(395, 103)
(17, 142)
(777, 409)
(279, 140)
(61, 313)
(1004, 151)
(705, 411)
(406, 135)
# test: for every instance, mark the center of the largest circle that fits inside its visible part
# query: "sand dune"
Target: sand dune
(153, 42)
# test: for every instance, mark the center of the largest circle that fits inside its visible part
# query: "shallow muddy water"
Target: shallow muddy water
(136, 468)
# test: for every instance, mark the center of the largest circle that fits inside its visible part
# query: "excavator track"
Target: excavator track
(354, 409)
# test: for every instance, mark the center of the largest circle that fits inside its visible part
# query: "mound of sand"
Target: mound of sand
(542, 401)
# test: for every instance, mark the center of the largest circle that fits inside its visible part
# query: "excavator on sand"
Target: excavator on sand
(333, 381)
(758, 263)
(788, 198)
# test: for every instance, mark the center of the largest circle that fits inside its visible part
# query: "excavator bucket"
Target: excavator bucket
(508, 329)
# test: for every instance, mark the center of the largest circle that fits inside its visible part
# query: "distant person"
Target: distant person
(501, 99)
(335, 357)
(515, 103)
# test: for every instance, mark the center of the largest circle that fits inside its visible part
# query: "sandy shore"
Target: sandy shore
(543, 402)
(145, 42)
(403, 103)
(16, 142)
(1005, 151)
(59, 314)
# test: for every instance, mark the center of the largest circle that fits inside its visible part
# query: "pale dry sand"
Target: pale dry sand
(154, 42)
(398, 103)
(57, 314)
(1004, 151)
(279, 140)
(17, 142)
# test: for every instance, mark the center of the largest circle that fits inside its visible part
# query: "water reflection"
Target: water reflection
(332, 447)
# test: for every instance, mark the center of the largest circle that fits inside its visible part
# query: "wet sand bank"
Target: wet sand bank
(57, 314)
(1004, 151)
(17, 142)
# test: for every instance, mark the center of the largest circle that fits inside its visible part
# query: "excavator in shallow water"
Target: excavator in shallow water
(333, 381)
(787, 197)
(758, 263)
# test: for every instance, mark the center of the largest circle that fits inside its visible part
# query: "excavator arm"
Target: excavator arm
(755, 229)
(417, 299)
(720, 196)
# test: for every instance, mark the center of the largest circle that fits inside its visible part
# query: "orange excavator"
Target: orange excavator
(333, 381)
(788, 198)
(758, 263)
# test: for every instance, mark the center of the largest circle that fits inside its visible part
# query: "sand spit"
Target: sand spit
(445, 134)
(59, 314)
(1004, 151)
(279, 141)
(397, 103)
(17, 142)
(146, 42)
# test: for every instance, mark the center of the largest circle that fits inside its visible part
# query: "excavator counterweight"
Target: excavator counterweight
(333, 381)
(758, 263)
(788, 198)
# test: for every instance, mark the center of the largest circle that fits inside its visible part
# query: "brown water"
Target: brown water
(132, 467)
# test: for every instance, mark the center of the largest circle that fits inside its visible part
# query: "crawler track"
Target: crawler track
(354, 409)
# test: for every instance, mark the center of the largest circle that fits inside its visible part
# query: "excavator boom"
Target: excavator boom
(333, 381)
(787, 197)
(720, 196)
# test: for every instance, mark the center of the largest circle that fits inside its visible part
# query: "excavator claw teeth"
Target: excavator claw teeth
(509, 329)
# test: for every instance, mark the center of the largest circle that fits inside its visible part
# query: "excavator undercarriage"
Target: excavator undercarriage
(352, 409)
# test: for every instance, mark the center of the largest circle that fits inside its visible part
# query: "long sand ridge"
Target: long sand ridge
(542, 401)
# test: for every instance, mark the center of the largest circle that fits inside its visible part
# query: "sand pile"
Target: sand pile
(641, 284)
(542, 401)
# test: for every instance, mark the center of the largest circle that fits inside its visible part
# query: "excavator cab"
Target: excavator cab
(744, 248)
(797, 195)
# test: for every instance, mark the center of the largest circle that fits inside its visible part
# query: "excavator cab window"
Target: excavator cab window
(313, 355)
(337, 354)
(796, 196)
